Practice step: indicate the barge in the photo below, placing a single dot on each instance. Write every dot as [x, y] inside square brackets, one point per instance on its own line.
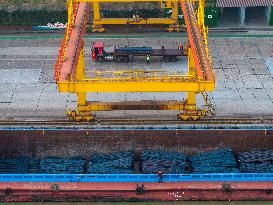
[40, 143]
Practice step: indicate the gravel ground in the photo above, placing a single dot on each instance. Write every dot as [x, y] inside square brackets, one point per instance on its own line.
[243, 67]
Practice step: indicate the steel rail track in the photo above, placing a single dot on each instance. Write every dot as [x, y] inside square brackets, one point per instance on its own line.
[142, 30]
[138, 122]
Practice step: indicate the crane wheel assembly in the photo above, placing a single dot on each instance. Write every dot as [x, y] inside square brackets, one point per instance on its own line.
[70, 73]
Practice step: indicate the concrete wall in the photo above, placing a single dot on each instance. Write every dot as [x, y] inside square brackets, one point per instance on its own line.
[231, 17]
[257, 16]
[241, 16]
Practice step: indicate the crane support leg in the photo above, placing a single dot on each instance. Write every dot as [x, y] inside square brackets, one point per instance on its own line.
[174, 27]
[80, 115]
[97, 27]
[190, 111]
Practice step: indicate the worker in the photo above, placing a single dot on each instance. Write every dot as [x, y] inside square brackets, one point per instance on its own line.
[160, 175]
[180, 46]
[148, 58]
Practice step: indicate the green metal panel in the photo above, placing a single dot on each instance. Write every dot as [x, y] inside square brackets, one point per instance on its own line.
[212, 16]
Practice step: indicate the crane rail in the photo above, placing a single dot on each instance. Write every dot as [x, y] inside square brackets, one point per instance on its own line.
[135, 122]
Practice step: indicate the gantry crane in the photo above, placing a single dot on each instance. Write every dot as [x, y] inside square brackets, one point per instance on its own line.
[70, 73]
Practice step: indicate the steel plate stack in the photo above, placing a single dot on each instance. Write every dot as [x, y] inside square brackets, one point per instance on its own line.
[14, 166]
[134, 50]
[8, 166]
[256, 161]
[34, 166]
[22, 165]
[55, 165]
[219, 161]
[114, 163]
[155, 161]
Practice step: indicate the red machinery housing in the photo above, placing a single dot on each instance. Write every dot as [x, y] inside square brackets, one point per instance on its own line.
[97, 51]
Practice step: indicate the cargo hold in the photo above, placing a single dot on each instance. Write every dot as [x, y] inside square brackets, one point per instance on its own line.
[36, 143]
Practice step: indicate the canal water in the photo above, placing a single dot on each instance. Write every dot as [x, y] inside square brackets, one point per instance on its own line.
[150, 203]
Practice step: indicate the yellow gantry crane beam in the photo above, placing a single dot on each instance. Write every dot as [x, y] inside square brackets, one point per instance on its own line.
[98, 21]
[149, 85]
[71, 75]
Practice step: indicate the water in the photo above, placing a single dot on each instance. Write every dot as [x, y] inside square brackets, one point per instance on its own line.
[151, 203]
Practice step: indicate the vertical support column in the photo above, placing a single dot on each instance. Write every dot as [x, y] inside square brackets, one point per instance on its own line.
[201, 14]
[97, 27]
[191, 99]
[267, 15]
[190, 111]
[175, 26]
[80, 72]
[242, 15]
[175, 11]
[70, 12]
[96, 9]
[271, 16]
[82, 113]
[80, 75]
[191, 63]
